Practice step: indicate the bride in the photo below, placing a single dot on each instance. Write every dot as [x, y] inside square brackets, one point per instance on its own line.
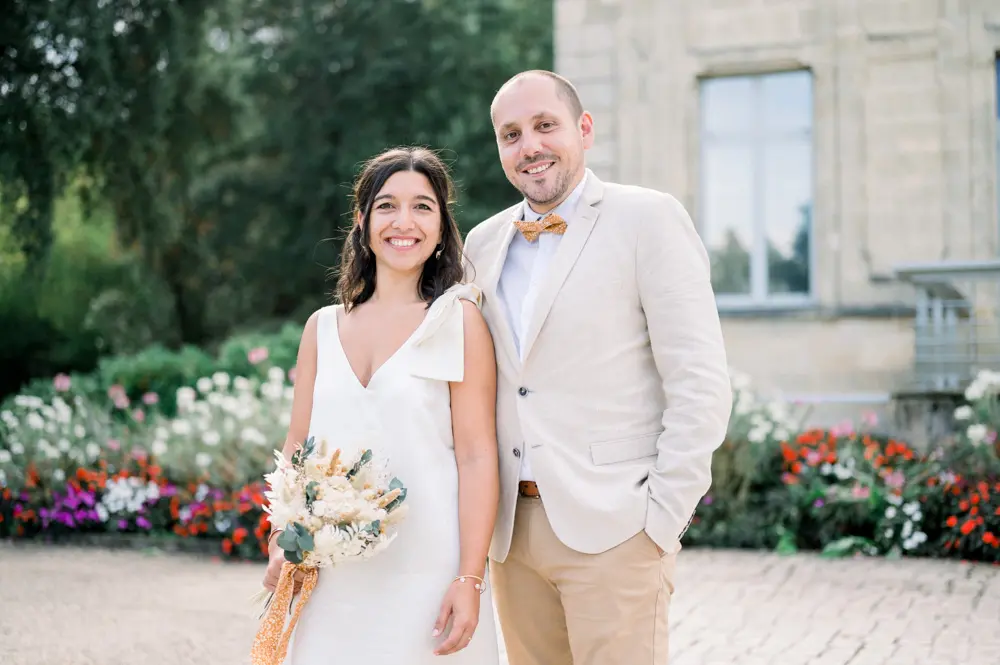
[406, 358]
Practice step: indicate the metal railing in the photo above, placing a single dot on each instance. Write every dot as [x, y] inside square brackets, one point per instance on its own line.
[957, 322]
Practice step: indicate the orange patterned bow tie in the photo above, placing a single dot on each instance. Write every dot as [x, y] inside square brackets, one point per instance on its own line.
[548, 224]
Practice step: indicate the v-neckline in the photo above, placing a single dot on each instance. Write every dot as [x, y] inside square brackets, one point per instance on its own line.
[347, 360]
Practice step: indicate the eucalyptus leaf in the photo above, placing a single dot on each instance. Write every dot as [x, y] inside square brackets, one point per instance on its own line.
[287, 539]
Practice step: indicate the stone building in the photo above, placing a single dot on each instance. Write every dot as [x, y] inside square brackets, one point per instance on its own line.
[818, 144]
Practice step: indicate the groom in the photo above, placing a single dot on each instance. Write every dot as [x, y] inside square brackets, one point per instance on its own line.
[613, 389]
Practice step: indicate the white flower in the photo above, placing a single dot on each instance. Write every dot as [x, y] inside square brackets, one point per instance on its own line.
[211, 438]
[204, 385]
[253, 435]
[79, 431]
[3, 478]
[16, 447]
[221, 379]
[911, 508]
[159, 447]
[976, 434]
[5, 457]
[186, 395]
[181, 427]
[93, 451]
[276, 375]
[58, 475]
[35, 421]
[272, 391]
[890, 513]
[63, 445]
[842, 472]
[907, 529]
[826, 469]
[963, 413]
[895, 499]
[203, 460]
[102, 512]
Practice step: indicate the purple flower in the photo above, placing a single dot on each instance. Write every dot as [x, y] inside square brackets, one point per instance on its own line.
[122, 525]
[143, 523]
[819, 503]
[707, 500]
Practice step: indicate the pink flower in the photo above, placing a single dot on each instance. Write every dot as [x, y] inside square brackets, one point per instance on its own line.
[139, 415]
[139, 454]
[895, 479]
[61, 382]
[843, 429]
[291, 375]
[870, 419]
[860, 492]
[814, 457]
[116, 390]
[121, 401]
[149, 399]
[257, 355]
[113, 444]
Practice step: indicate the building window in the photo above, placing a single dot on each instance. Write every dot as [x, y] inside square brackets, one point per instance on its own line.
[757, 186]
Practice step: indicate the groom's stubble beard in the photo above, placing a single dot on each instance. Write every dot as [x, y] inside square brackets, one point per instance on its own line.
[551, 194]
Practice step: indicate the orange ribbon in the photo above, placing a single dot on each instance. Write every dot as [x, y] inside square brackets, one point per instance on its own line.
[271, 643]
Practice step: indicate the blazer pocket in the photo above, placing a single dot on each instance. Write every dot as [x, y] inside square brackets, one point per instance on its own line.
[624, 450]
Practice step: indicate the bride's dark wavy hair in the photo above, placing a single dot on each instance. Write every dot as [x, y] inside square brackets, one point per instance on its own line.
[443, 269]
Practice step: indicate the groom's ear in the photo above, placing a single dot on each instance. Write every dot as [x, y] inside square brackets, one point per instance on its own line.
[587, 130]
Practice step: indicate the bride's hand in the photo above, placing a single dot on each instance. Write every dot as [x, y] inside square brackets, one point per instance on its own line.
[274, 563]
[461, 605]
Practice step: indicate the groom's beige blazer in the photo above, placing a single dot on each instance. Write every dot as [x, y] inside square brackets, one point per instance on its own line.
[624, 393]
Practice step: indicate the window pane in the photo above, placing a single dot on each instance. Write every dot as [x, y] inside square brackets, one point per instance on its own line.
[727, 210]
[788, 214]
[787, 102]
[727, 106]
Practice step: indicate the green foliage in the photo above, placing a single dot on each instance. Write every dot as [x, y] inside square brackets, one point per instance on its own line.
[210, 147]
[156, 370]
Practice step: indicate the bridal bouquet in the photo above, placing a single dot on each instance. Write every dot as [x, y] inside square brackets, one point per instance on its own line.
[330, 510]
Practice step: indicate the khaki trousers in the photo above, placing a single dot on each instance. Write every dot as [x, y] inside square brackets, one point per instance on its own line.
[561, 607]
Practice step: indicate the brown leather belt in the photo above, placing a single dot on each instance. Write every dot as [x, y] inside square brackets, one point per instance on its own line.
[528, 488]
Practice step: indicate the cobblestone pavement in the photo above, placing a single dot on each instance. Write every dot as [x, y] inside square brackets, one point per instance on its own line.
[67, 606]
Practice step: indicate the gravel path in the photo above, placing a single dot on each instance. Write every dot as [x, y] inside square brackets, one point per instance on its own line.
[69, 606]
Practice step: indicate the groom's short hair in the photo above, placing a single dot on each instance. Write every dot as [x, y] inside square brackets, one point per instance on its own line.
[564, 88]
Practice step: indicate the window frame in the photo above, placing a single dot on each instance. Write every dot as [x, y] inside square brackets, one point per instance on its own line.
[759, 298]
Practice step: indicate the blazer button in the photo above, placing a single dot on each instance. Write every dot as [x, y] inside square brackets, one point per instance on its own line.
[522, 391]
[517, 453]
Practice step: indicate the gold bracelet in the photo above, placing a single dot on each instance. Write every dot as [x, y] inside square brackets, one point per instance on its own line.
[480, 584]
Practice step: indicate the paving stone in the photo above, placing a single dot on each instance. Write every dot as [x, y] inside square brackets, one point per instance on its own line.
[63, 606]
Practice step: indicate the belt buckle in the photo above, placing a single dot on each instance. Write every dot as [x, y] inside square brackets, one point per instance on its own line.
[528, 489]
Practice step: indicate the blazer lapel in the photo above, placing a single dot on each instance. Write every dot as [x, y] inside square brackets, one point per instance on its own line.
[573, 241]
[490, 285]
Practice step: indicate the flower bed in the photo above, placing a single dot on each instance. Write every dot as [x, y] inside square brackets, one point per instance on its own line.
[193, 473]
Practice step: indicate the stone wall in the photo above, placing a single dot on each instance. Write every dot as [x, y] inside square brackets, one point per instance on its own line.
[904, 144]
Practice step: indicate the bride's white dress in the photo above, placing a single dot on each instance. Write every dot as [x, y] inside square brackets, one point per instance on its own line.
[382, 610]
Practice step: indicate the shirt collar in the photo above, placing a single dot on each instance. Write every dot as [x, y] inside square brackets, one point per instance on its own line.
[564, 209]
